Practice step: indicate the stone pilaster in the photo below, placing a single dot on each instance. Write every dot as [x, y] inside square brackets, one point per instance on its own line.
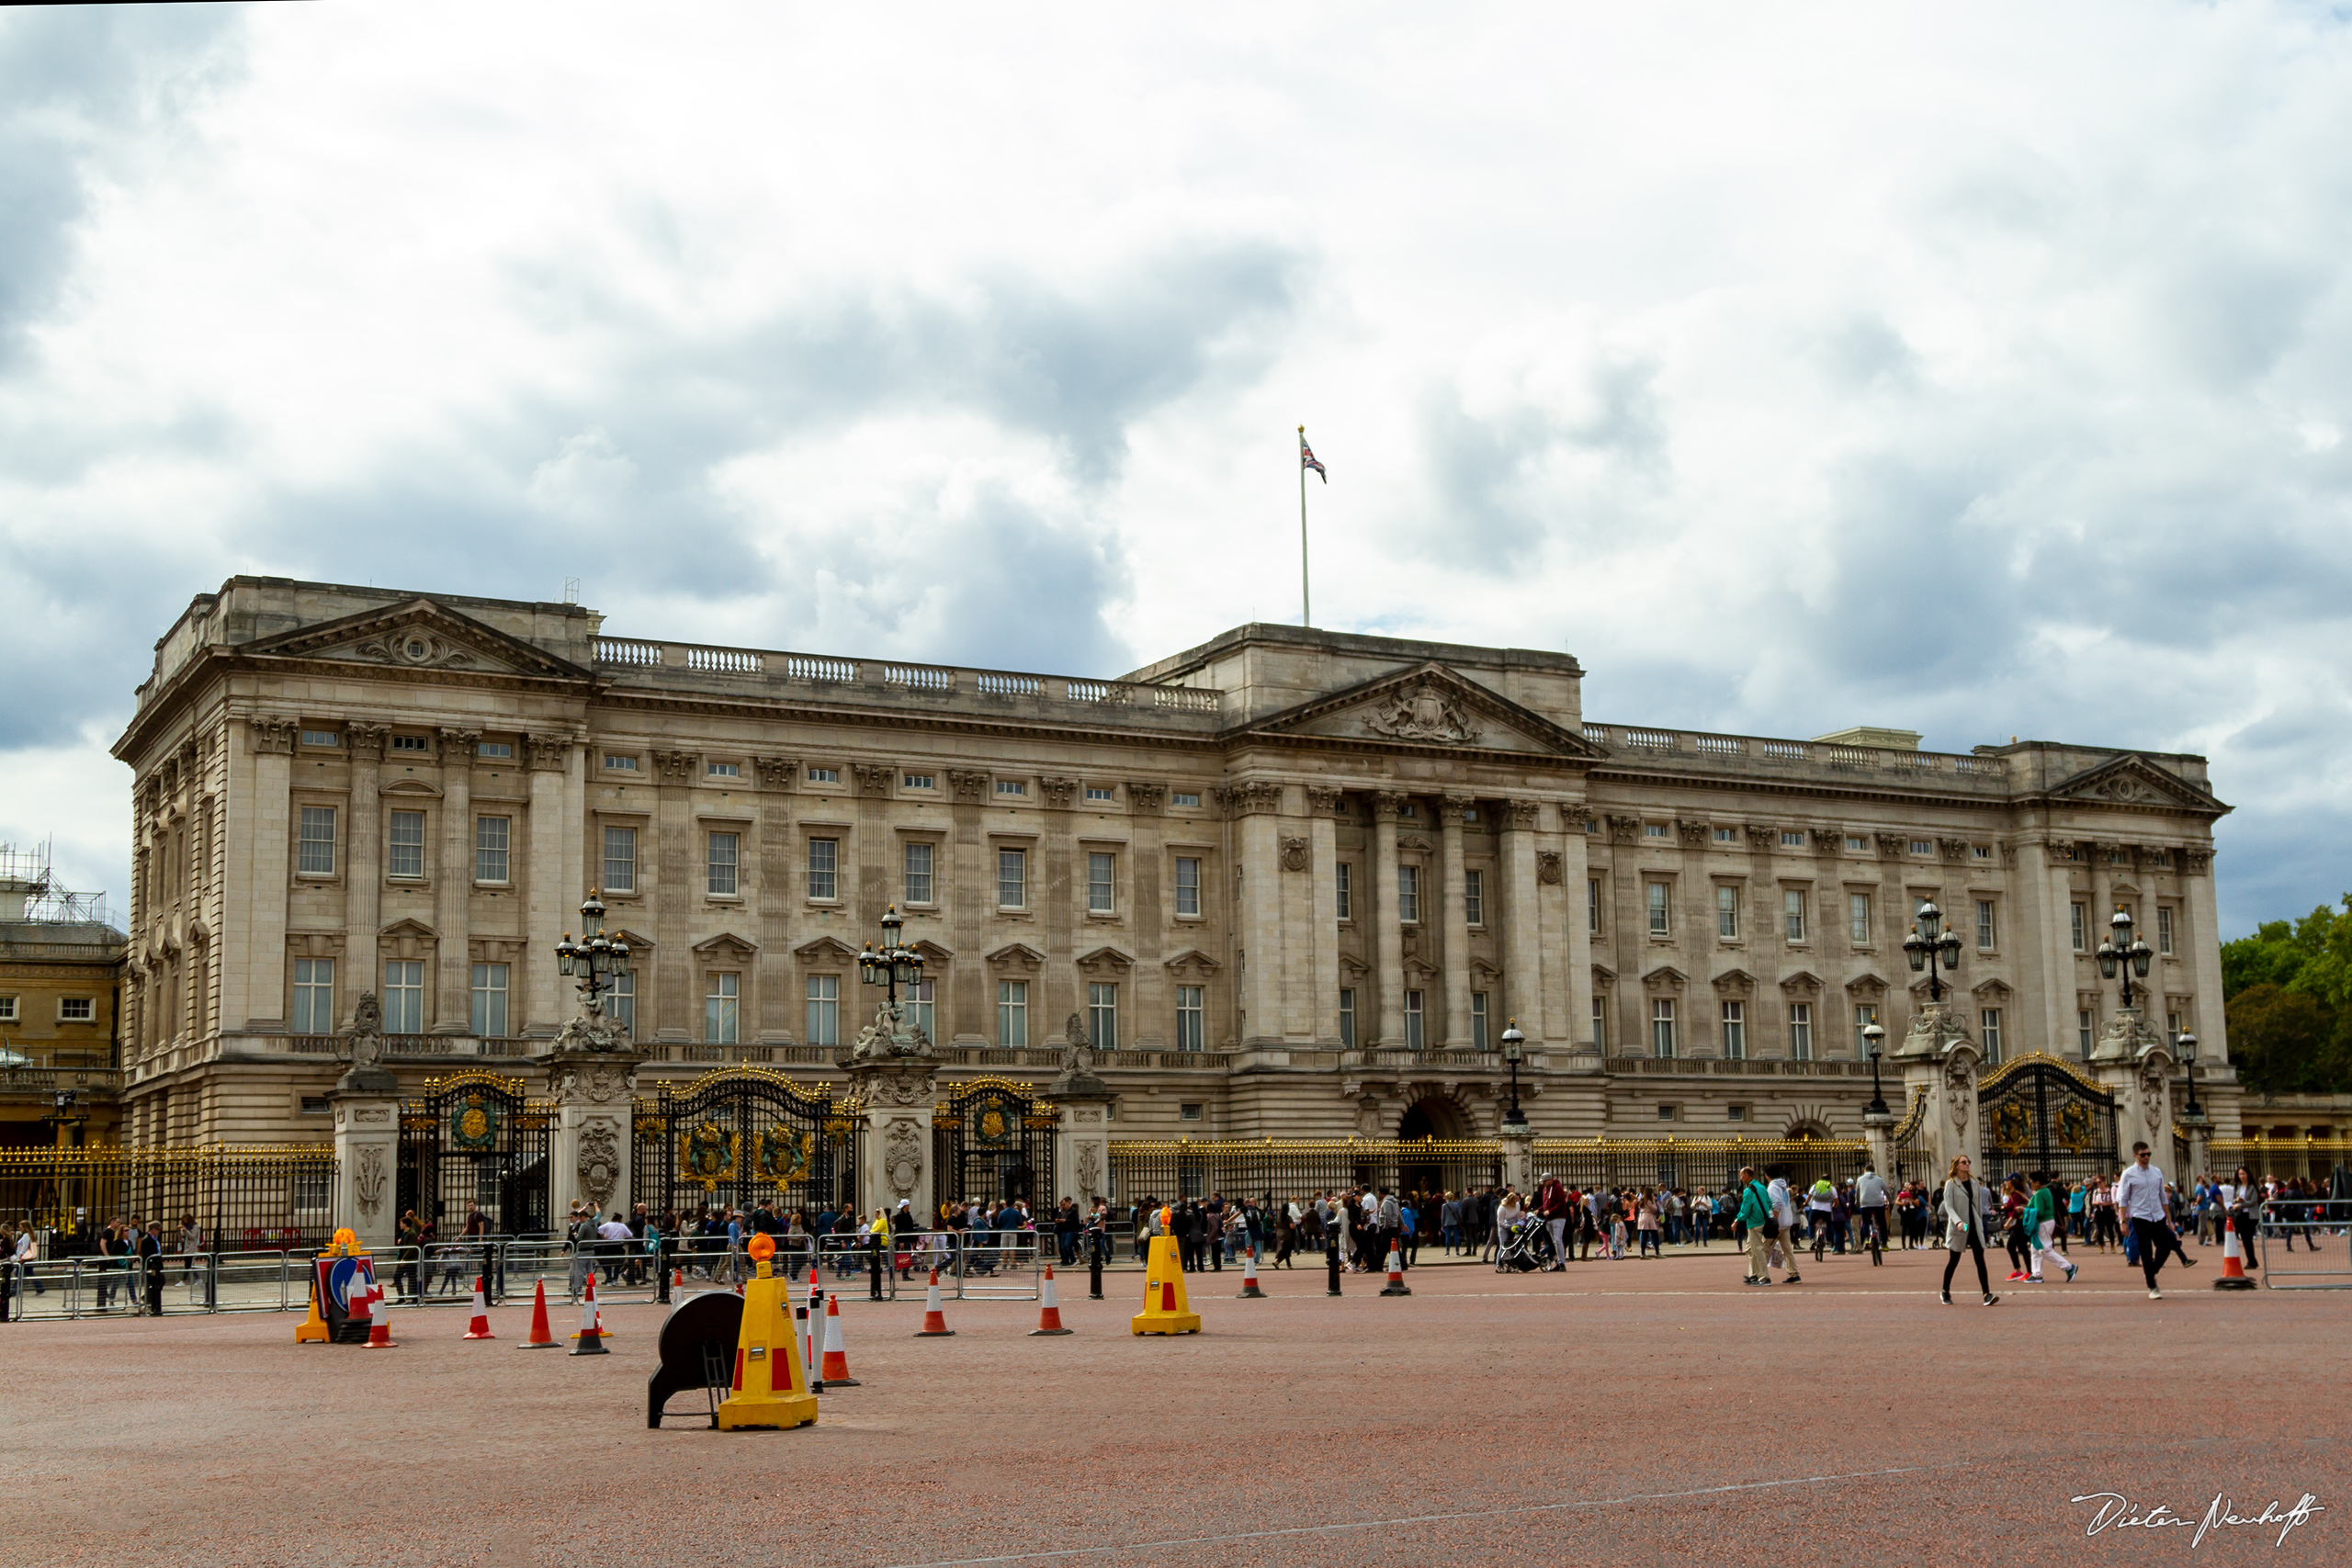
[1083, 1135]
[775, 887]
[676, 1013]
[363, 880]
[1059, 898]
[971, 872]
[588, 1157]
[1457, 915]
[549, 899]
[1151, 909]
[1323, 846]
[1388, 946]
[2135, 1063]
[270, 823]
[453, 887]
[1522, 941]
[897, 1095]
[1256, 807]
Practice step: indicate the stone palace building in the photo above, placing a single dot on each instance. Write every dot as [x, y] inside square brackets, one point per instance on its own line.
[1288, 884]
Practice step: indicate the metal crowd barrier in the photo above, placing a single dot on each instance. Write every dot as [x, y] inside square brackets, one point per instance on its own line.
[2324, 1226]
[997, 1266]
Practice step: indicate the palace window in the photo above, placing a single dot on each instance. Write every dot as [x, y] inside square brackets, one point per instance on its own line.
[918, 780]
[1857, 919]
[1348, 1017]
[1988, 1032]
[1101, 877]
[722, 771]
[1188, 886]
[1727, 912]
[1414, 1035]
[1592, 904]
[1792, 913]
[314, 996]
[318, 841]
[1184, 797]
[722, 866]
[1922, 847]
[1473, 897]
[1661, 911]
[617, 764]
[491, 835]
[2085, 1026]
[620, 1002]
[1013, 879]
[824, 1009]
[824, 775]
[1011, 787]
[1662, 1026]
[1734, 1022]
[1987, 929]
[406, 856]
[922, 1007]
[9, 1009]
[1801, 1032]
[1012, 1013]
[2081, 919]
[1857, 845]
[495, 749]
[490, 1002]
[1343, 893]
[404, 996]
[824, 868]
[1865, 1014]
[722, 1011]
[1103, 1015]
[1981, 851]
[412, 743]
[1726, 835]
[1478, 1020]
[620, 860]
[2164, 927]
[321, 737]
[1100, 792]
[1408, 895]
[1653, 830]
[918, 856]
[1601, 1024]
[1190, 1019]
[1792, 841]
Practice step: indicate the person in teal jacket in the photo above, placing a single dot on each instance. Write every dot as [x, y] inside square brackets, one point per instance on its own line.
[2041, 1229]
[1755, 1213]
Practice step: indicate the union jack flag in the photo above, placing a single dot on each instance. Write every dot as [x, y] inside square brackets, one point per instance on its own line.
[1306, 459]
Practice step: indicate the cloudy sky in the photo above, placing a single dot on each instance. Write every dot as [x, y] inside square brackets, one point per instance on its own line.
[1985, 371]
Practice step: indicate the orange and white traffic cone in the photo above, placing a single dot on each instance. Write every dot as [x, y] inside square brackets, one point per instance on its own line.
[934, 1322]
[480, 1328]
[1249, 1290]
[834, 1370]
[1395, 1286]
[542, 1337]
[1050, 1307]
[590, 1340]
[591, 1305]
[2233, 1274]
[379, 1322]
[678, 1278]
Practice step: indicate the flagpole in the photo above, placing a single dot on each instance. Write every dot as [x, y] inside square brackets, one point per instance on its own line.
[1306, 603]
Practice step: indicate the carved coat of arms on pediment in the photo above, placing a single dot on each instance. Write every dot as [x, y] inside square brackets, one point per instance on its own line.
[1426, 712]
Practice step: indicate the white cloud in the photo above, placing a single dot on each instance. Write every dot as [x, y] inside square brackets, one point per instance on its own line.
[1985, 373]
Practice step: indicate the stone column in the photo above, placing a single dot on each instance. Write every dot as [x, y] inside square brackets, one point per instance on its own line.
[1522, 963]
[588, 1158]
[1457, 926]
[676, 1012]
[551, 900]
[1258, 806]
[363, 880]
[776, 886]
[1061, 897]
[1389, 947]
[270, 825]
[1571, 871]
[453, 887]
[897, 1093]
[1146, 870]
[2202, 930]
[970, 877]
[1323, 845]
[366, 1106]
[1519, 1156]
[2135, 1064]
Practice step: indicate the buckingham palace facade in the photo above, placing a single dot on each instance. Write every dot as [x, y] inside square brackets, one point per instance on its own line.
[1291, 883]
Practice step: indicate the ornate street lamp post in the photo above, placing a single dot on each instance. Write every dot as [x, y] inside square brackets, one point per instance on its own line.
[1874, 1046]
[1926, 948]
[2121, 951]
[893, 966]
[596, 963]
[1514, 1049]
[2186, 1045]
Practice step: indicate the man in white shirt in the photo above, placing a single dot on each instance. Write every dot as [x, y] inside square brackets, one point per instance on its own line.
[1785, 1216]
[2140, 1198]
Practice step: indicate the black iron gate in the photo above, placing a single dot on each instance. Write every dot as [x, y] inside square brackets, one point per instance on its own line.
[993, 1139]
[2035, 1115]
[473, 1139]
[741, 1137]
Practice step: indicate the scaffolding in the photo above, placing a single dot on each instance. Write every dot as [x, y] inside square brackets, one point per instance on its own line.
[29, 891]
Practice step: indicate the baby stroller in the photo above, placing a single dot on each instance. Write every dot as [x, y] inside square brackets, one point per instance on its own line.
[1523, 1246]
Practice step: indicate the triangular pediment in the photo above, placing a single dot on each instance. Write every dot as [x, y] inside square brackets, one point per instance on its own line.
[410, 928]
[417, 633]
[934, 953]
[1866, 985]
[1193, 961]
[1425, 706]
[1018, 955]
[825, 947]
[636, 943]
[726, 944]
[1802, 982]
[1734, 982]
[1666, 977]
[2132, 780]
[1105, 958]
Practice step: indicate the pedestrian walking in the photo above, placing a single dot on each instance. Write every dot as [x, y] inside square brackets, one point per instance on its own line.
[2041, 1224]
[1759, 1225]
[1963, 1226]
[2140, 1197]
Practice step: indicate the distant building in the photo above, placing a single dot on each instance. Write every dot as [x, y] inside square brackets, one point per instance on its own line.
[61, 992]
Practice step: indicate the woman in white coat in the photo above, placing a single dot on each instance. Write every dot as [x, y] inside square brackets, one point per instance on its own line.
[1963, 1228]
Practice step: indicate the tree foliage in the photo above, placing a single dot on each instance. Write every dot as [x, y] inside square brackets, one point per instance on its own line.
[2288, 992]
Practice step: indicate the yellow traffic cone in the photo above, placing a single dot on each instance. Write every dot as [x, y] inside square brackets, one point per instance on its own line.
[1165, 1308]
[311, 1330]
[771, 1388]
